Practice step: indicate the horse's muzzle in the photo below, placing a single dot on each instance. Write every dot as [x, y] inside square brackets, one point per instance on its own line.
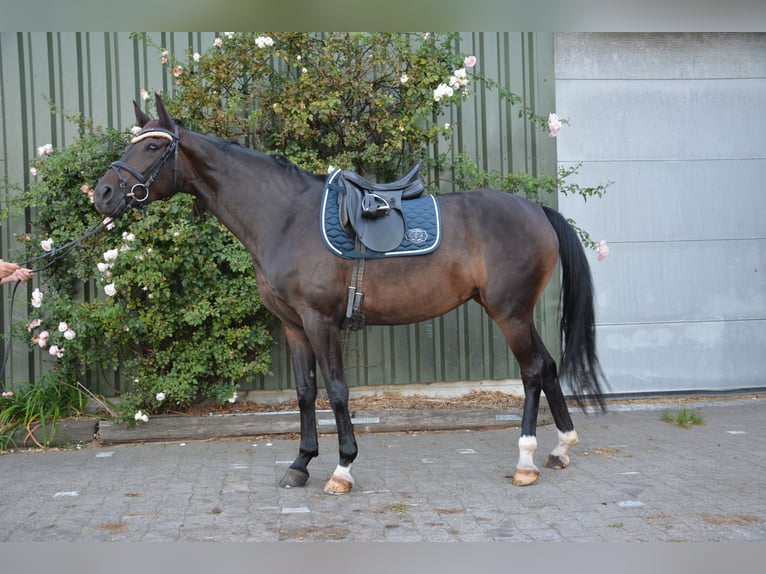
[109, 199]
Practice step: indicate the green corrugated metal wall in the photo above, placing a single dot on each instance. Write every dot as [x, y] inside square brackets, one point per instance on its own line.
[99, 74]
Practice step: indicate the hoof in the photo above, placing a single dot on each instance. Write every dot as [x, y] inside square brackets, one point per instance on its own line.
[556, 462]
[340, 482]
[525, 476]
[294, 478]
[337, 485]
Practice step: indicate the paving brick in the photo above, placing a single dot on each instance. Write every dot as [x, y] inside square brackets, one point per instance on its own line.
[631, 478]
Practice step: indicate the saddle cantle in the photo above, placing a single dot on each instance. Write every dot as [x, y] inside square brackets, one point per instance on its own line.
[373, 212]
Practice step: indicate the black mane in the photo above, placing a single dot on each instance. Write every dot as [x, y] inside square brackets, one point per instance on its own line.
[229, 146]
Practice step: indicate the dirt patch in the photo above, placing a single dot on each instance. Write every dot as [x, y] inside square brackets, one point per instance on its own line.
[603, 451]
[313, 533]
[731, 519]
[450, 510]
[491, 400]
[684, 400]
[113, 527]
[495, 400]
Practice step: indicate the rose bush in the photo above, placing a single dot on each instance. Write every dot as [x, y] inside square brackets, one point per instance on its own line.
[165, 301]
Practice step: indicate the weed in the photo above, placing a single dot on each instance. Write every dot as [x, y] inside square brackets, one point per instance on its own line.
[398, 507]
[682, 417]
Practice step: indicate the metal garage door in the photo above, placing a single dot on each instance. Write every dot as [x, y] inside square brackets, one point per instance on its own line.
[677, 122]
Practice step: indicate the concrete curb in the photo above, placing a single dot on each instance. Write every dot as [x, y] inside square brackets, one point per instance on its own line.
[214, 426]
[66, 432]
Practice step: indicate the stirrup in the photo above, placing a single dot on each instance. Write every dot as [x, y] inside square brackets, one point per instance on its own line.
[374, 205]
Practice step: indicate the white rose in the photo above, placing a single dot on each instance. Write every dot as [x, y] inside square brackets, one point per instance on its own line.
[111, 254]
[37, 298]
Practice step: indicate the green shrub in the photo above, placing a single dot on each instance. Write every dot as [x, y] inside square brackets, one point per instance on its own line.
[167, 297]
[363, 101]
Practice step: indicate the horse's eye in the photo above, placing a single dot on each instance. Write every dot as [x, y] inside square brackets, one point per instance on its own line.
[152, 146]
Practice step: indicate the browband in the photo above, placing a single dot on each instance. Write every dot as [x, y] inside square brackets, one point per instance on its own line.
[152, 134]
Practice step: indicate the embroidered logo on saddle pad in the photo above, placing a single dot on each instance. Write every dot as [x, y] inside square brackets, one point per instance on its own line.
[421, 235]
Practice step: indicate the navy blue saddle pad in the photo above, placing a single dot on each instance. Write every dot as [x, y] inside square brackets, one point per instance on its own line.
[422, 217]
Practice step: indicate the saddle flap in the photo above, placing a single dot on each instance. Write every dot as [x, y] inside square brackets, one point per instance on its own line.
[383, 233]
[378, 223]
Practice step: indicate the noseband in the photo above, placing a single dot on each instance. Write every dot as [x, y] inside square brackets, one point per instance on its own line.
[133, 198]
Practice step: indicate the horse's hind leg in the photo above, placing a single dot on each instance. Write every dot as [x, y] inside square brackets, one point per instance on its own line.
[304, 366]
[538, 373]
[567, 435]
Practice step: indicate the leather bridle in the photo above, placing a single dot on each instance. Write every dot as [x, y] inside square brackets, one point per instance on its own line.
[145, 180]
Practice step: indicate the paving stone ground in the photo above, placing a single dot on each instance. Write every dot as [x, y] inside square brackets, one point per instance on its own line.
[633, 477]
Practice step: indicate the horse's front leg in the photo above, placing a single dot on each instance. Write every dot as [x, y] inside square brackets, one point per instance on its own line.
[304, 365]
[325, 339]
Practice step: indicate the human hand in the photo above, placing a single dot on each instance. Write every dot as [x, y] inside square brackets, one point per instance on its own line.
[21, 275]
[6, 268]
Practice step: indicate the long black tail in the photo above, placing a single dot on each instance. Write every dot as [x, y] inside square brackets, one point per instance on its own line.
[579, 367]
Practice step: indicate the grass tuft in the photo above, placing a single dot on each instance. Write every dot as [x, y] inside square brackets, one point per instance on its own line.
[682, 417]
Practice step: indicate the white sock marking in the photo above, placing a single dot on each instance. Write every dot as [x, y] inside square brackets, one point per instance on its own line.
[566, 439]
[344, 472]
[527, 448]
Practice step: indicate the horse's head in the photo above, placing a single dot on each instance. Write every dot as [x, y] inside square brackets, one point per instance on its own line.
[148, 170]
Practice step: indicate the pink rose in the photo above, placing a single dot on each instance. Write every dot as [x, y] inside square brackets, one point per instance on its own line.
[602, 249]
[554, 125]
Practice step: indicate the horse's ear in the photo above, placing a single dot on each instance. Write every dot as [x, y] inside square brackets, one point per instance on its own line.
[141, 118]
[165, 120]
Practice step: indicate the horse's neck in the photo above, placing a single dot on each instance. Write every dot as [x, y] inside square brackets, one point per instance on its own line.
[248, 192]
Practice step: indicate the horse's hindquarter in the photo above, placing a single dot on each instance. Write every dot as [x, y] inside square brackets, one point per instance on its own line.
[493, 244]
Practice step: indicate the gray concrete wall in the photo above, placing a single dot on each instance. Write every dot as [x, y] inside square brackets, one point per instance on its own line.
[677, 122]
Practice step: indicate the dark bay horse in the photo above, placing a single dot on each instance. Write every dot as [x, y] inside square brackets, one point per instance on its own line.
[497, 249]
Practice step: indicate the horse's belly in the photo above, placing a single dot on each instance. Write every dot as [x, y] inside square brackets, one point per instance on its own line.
[408, 292]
